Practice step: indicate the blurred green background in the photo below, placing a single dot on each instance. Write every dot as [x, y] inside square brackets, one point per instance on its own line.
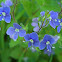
[18, 51]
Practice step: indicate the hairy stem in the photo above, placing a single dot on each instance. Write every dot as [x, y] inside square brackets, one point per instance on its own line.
[13, 15]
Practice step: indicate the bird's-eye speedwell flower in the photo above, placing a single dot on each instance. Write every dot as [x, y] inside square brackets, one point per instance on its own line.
[48, 52]
[42, 13]
[47, 43]
[32, 38]
[5, 14]
[53, 19]
[60, 26]
[7, 3]
[35, 24]
[16, 30]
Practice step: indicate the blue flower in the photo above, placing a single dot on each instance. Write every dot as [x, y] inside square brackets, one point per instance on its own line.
[53, 19]
[32, 38]
[56, 38]
[38, 22]
[52, 52]
[33, 49]
[7, 3]
[5, 14]
[48, 52]
[35, 24]
[54, 15]
[15, 30]
[60, 26]
[42, 13]
[47, 43]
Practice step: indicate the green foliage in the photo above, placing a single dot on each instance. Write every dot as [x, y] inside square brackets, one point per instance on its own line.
[24, 12]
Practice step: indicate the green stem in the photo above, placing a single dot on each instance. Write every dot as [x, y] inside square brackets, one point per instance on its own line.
[51, 58]
[2, 39]
[20, 59]
[2, 35]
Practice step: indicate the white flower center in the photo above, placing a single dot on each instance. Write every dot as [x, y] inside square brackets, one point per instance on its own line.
[3, 19]
[55, 20]
[4, 14]
[31, 41]
[17, 30]
[47, 42]
[59, 21]
[48, 50]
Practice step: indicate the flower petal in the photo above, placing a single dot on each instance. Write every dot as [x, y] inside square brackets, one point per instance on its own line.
[36, 29]
[49, 48]
[34, 36]
[14, 36]
[56, 38]
[34, 24]
[53, 14]
[10, 31]
[33, 49]
[22, 33]
[1, 9]
[15, 25]
[57, 22]
[47, 52]
[58, 29]
[42, 13]
[8, 3]
[27, 37]
[36, 43]
[52, 24]
[1, 17]
[35, 19]
[6, 10]
[49, 38]
[3, 4]
[42, 45]
[7, 18]
[61, 19]
[29, 44]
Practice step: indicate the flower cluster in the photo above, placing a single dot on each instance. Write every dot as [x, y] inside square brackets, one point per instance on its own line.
[32, 38]
[7, 3]
[55, 21]
[38, 23]
[46, 43]
[5, 11]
